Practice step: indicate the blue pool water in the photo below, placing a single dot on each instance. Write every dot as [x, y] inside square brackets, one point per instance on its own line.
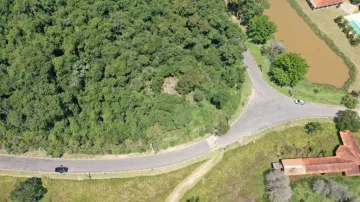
[356, 26]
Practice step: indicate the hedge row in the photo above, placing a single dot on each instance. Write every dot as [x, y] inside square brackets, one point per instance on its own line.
[329, 42]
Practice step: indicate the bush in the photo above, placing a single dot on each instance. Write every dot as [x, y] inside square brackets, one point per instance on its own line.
[355, 41]
[313, 127]
[347, 120]
[349, 101]
[193, 199]
[278, 186]
[332, 190]
[339, 19]
[30, 190]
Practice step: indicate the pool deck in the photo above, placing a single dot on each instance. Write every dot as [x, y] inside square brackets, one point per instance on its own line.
[354, 21]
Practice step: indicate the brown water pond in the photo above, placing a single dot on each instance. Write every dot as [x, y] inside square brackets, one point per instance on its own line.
[325, 66]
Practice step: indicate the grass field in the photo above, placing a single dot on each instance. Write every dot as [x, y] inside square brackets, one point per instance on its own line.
[324, 19]
[304, 90]
[155, 188]
[240, 174]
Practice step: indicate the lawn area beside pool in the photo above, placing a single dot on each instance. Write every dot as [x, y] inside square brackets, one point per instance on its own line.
[324, 20]
[240, 174]
[136, 189]
[305, 90]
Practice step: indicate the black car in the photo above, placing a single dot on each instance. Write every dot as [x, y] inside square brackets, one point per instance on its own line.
[61, 169]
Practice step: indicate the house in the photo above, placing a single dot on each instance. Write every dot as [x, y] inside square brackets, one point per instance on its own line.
[318, 4]
[346, 160]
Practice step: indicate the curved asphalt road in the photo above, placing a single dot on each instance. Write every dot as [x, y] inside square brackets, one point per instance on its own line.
[266, 108]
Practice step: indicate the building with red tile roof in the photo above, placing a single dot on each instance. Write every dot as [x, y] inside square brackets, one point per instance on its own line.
[346, 160]
[318, 4]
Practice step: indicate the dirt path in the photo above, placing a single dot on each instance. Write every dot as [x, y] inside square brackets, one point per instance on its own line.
[194, 178]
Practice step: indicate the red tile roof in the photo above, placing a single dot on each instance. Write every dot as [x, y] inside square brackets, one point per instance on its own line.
[324, 3]
[347, 160]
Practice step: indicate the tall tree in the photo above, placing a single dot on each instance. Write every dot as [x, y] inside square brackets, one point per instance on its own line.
[347, 120]
[247, 9]
[260, 29]
[288, 69]
[30, 190]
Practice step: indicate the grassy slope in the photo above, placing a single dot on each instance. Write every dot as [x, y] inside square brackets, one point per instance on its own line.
[327, 94]
[155, 188]
[324, 19]
[241, 172]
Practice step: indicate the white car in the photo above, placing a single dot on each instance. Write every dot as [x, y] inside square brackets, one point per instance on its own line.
[299, 102]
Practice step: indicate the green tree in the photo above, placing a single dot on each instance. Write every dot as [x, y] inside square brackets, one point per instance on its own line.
[349, 101]
[247, 9]
[260, 29]
[313, 127]
[288, 69]
[30, 190]
[347, 120]
[222, 128]
[87, 76]
[220, 99]
[190, 78]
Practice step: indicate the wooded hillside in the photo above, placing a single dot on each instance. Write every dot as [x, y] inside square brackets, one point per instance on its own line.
[88, 76]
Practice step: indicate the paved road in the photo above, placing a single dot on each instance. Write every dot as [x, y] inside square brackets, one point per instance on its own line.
[266, 108]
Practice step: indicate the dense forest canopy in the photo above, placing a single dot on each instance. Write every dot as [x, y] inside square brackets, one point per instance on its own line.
[88, 75]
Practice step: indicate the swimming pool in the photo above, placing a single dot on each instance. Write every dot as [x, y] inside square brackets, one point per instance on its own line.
[354, 21]
[356, 26]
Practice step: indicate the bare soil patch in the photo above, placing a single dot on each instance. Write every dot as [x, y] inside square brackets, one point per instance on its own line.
[169, 86]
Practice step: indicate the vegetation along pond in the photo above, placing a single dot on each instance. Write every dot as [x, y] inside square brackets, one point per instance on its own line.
[325, 66]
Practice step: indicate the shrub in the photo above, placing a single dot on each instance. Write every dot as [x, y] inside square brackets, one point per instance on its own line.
[30, 190]
[313, 127]
[339, 19]
[355, 41]
[347, 120]
[193, 199]
[278, 186]
[349, 101]
[332, 190]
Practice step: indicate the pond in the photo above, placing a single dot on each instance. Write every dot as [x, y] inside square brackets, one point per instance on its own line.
[325, 66]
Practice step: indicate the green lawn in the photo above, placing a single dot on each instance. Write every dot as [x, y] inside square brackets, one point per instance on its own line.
[304, 90]
[154, 188]
[240, 174]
